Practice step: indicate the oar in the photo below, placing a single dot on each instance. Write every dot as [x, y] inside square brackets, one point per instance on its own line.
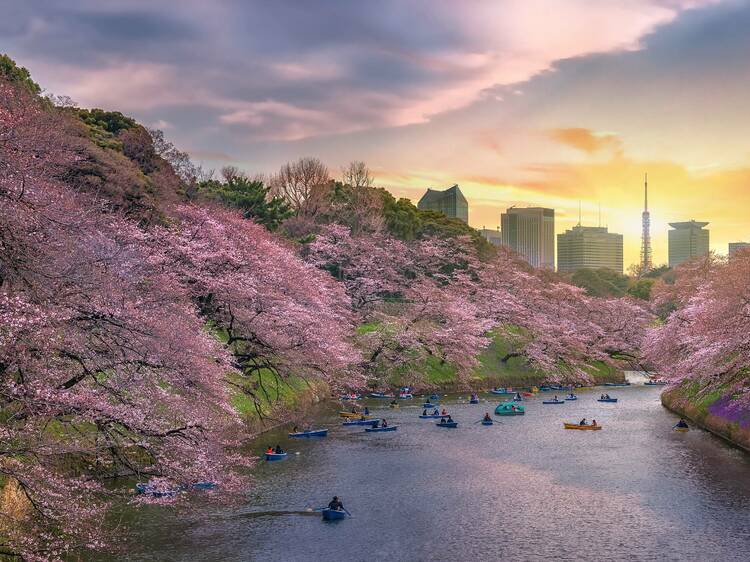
[347, 511]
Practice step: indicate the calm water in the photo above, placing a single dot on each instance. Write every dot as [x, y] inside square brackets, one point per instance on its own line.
[523, 489]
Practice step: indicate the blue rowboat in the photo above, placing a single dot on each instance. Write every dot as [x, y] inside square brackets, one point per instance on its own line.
[206, 485]
[553, 401]
[333, 514]
[359, 422]
[428, 405]
[275, 456]
[611, 400]
[430, 416]
[311, 433]
[545, 388]
[616, 384]
[654, 383]
[447, 424]
[487, 422]
[380, 429]
[434, 397]
[474, 401]
[380, 395]
[405, 396]
[502, 391]
[571, 397]
[149, 490]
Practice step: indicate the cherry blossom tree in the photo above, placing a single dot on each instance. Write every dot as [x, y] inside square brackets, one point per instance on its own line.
[705, 336]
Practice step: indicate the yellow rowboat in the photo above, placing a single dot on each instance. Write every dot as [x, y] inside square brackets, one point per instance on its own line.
[682, 429]
[534, 389]
[582, 427]
[353, 415]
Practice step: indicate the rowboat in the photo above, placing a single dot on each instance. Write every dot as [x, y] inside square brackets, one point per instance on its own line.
[502, 391]
[430, 416]
[352, 415]
[380, 395]
[434, 397]
[155, 492]
[553, 401]
[487, 422]
[611, 400]
[682, 429]
[275, 456]
[616, 384]
[654, 383]
[350, 397]
[333, 514]
[405, 396]
[311, 433]
[571, 397]
[509, 409]
[429, 405]
[447, 424]
[582, 427]
[379, 429]
[359, 422]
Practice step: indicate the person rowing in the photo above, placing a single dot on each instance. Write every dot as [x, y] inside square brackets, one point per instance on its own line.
[583, 422]
[593, 423]
[278, 450]
[424, 412]
[270, 450]
[383, 423]
[444, 412]
[367, 411]
[556, 400]
[450, 419]
[682, 424]
[487, 417]
[335, 504]
[436, 413]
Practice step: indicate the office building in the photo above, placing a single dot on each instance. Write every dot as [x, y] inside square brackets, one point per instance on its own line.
[530, 231]
[735, 247]
[687, 240]
[451, 202]
[590, 247]
[493, 236]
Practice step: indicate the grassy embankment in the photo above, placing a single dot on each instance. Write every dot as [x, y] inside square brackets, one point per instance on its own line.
[714, 411]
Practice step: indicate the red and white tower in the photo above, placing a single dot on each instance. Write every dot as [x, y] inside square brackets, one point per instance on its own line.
[646, 263]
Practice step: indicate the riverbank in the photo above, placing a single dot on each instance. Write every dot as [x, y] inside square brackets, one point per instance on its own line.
[716, 412]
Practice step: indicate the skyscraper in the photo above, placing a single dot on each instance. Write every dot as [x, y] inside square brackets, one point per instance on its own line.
[646, 260]
[530, 232]
[589, 247]
[450, 201]
[687, 240]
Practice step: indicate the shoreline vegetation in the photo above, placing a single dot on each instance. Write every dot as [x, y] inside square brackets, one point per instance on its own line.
[712, 412]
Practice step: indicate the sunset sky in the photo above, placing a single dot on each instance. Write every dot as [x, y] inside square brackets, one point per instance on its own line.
[520, 102]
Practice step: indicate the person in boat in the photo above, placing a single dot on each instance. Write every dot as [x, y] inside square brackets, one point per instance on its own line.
[444, 412]
[278, 450]
[601, 397]
[436, 413]
[270, 450]
[367, 411]
[394, 402]
[513, 407]
[362, 417]
[583, 422]
[682, 424]
[295, 429]
[487, 417]
[383, 423]
[335, 504]
[442, 420]
[593, 423]
[556, 400]
[376, 423]
[450, 419]
[424, 412]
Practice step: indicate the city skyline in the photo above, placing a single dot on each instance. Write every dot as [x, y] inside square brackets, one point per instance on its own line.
[515, 108]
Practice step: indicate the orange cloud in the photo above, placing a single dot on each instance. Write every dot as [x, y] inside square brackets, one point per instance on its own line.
[587, 140]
